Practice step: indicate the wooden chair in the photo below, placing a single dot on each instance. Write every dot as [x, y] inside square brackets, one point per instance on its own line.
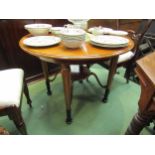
[12, 85]
[146, 113]
[128, 59]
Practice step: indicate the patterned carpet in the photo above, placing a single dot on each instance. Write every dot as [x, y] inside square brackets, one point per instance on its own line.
[90, 115]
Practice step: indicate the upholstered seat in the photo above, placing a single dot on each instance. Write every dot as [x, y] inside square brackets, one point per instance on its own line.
[122, 58]
[12, 85]
[125, 57]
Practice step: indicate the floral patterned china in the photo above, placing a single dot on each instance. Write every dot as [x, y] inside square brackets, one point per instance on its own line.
[56, 30]
[72, 38]
[38, 29]
[41, 41]
[72, 32]
[109, 41]
[100, 30]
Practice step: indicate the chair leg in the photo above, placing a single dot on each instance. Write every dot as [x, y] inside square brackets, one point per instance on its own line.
[15, 115]
[26, 92]
[127, 76]
[138, 122]
[128, 73]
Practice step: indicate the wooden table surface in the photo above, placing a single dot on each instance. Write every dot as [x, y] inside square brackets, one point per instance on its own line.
[87, 52]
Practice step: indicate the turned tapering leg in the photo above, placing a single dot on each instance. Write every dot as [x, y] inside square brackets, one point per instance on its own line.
[46, 75]
[67, 83]
[14, 114]
[113, 66]
[26, 92]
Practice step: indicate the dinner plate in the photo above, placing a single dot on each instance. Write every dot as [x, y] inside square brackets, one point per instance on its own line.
[119, 33]
[108, 46]
[109, 41]
[41, 41]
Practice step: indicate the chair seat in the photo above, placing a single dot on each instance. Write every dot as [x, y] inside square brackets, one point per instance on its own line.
[75, 68]
[122, 58]
[11, 83]
[126, 56]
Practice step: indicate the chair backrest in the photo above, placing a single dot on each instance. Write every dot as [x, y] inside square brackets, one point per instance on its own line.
[150, 34]
[144, 26]
[151, 29]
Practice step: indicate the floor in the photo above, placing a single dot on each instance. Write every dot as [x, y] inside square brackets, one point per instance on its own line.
[90, 115]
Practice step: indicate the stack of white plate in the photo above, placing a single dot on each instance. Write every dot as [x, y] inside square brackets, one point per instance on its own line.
[72, 38]
[103, 30]
[109, 41]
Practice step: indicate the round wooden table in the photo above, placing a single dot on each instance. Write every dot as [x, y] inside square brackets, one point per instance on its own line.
[87, 54]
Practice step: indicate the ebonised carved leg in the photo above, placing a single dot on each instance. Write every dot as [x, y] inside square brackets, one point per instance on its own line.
[46, 75]
[129, 69]
[138, 122]
[106, 94]
[113, 66]
[14, 114]
[26, 92]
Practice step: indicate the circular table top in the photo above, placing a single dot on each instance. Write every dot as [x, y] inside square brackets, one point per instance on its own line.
[87, 53]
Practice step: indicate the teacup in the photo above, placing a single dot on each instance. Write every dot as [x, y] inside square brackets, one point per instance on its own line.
[97, 31]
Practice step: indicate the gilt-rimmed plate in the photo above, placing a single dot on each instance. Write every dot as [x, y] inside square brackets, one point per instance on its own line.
[109, 41]
[41, 41]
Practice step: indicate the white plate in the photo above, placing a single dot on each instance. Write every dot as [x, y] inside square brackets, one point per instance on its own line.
[119, 33]
[109, 41]
[108, 46]
[100, 30]
[41, 41]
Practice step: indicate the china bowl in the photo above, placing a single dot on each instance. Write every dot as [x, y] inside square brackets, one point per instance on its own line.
[72, 43]
[72, 38]
[56, 30]
[80, 23]
[38, 29]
